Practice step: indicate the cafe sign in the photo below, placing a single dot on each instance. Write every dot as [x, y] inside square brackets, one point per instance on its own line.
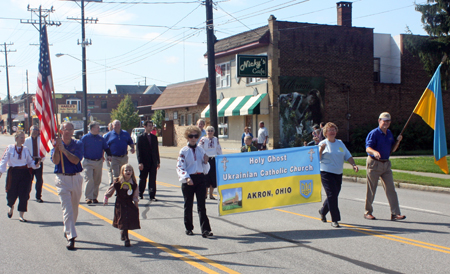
[251, 66]
[66, 108]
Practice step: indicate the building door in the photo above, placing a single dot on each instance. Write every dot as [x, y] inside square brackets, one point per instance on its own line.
[167, 133]
[249, 124]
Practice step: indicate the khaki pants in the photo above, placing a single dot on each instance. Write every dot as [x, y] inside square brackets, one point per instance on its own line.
[375, 170]
[92, 177]
[116, 164]
[69, 190]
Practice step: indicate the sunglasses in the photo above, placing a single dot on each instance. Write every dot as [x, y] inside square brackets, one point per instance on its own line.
[210, 130]
[190, 136]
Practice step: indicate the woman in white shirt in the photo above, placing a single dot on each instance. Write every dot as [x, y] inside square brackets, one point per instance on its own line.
[18, 179]
[333, 153]
[192, 165]
[211, 145]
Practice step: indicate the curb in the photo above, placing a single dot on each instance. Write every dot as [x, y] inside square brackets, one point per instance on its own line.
[445, 190]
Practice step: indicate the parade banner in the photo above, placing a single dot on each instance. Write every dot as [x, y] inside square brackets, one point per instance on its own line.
[266, 179]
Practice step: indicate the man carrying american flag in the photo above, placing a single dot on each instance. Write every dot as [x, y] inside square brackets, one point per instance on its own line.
[67, 153]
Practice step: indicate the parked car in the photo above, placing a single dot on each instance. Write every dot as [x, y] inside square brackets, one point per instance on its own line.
[77, 134]
[103, 130]
[136, 132]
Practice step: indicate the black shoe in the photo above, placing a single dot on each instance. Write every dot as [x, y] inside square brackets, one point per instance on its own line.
[88, 201]
[95, 201]
[39, 200]
[141, 197]
[71, 244]
[122, 235]
[335, 224]
[127, 243]
[189, 232]
[22, 220]
[212, 198]
[9, 215]
[207, 234]
[323, 218]
[154, 200]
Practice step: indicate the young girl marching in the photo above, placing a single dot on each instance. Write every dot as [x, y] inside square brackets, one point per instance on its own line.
[126, 210]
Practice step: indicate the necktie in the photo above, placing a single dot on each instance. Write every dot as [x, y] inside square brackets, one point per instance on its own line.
[249, 150]
[35, 147]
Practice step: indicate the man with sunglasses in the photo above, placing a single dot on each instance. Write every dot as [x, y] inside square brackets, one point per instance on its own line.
[380, 143]
[33, 143]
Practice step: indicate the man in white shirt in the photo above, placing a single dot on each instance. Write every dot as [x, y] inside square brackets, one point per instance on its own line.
[33, 143]
[263, 136]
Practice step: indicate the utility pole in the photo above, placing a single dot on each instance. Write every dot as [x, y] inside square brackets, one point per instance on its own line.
[42, 14]
[7, 84]
[83, 44]
[211, 40]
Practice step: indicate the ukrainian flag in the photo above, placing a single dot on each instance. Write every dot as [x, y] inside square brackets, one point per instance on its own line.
[431, 110]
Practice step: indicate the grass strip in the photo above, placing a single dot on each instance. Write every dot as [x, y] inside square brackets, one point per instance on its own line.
[419, 164]
[402, 177]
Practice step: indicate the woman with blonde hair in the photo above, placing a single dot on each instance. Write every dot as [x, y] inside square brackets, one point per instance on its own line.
[332, 153]
[18, 179]
[192, 165]
[126, 208]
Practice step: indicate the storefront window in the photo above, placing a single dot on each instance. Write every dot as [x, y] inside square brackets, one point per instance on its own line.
[223, 78]
[223, 127]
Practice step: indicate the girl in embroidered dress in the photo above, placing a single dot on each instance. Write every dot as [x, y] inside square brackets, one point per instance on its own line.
[211, 145]
[18, 178]
[126, 209]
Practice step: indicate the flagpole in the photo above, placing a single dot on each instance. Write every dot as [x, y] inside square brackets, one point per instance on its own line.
[407, 122]
[54, 110]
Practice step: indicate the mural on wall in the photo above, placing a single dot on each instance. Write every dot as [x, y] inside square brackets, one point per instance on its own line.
[301, 106]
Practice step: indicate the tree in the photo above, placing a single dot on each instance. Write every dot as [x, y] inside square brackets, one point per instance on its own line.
[431, 49]
[126, 114]
[158, 118]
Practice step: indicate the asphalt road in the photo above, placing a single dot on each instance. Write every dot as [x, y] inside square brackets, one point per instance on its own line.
[283, 240]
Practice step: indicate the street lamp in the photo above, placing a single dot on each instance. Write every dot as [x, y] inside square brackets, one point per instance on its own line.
[83, 71]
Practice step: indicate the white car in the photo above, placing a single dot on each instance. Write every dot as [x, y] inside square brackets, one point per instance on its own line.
[136, 132]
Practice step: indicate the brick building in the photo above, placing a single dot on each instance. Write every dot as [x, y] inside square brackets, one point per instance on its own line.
[339, 73]
[99, 105]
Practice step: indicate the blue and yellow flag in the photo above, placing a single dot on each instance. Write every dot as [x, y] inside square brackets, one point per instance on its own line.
[431, 110]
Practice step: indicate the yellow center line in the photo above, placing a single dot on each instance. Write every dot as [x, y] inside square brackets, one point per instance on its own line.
[185, 259]
[383, 235]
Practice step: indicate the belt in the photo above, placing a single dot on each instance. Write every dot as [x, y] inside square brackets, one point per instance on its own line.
[198, 173]
[379, 160]
[36, 157]
[121, 156]
[68, 174]
[19, 167]
[212, 157]
[93, 159]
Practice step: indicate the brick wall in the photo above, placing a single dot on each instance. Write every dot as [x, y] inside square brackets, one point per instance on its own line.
[344, 57]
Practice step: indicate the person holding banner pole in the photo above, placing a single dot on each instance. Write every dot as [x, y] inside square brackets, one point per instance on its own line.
[192, 165]
[212, 148]
[333, 153]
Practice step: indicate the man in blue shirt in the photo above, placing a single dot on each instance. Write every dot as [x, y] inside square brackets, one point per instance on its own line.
[68, 179]
[380, 143]
[118, 141]
[94, 147]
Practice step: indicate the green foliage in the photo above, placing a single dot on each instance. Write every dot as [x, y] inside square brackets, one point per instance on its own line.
[436, 22]
[126, 114]
[158, 118]
[417, 136]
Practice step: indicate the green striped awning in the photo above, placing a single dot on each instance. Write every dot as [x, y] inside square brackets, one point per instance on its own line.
[242, 105]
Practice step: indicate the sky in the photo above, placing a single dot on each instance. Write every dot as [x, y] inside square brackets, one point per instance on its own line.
[138, 42]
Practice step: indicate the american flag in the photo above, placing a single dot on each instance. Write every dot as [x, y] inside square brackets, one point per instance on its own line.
[44, 100]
